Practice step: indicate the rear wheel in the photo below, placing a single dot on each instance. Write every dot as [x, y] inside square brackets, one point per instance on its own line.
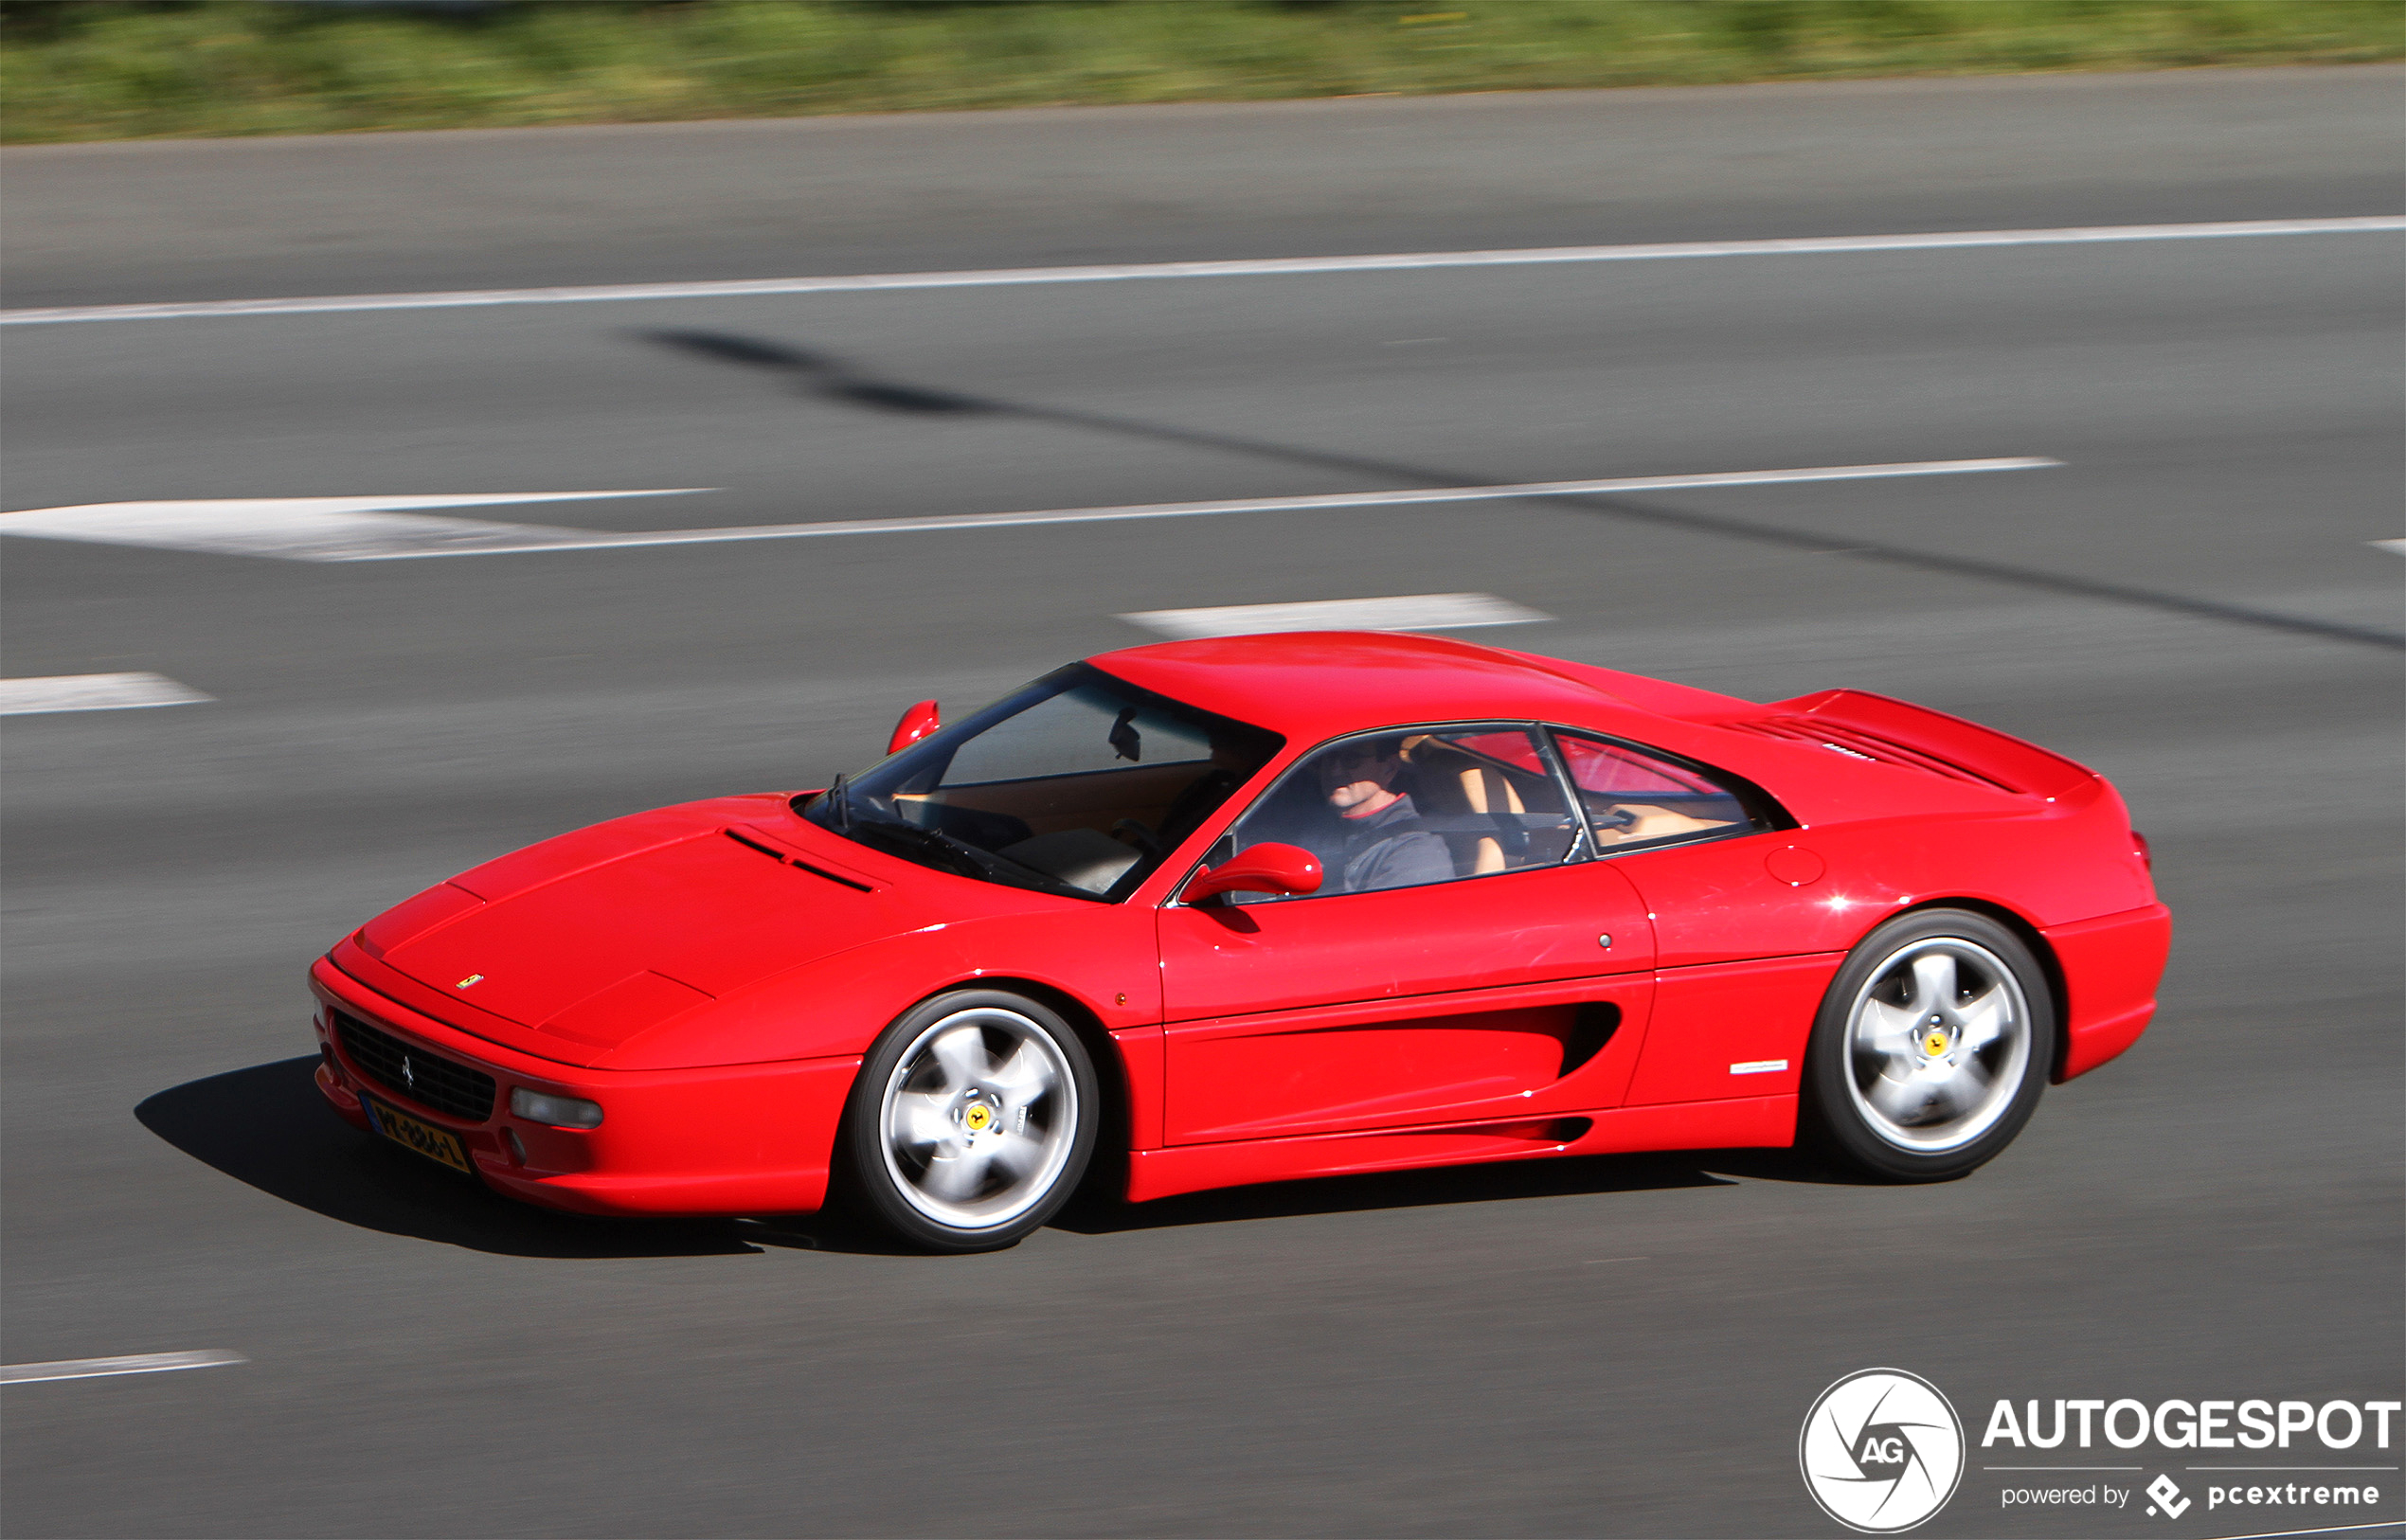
[972, 1120]
[1931, 1048]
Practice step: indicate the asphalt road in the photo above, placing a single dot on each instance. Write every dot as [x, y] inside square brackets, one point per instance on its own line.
[1621, 1346]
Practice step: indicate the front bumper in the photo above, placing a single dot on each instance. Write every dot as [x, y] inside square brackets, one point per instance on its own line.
[732, 1139]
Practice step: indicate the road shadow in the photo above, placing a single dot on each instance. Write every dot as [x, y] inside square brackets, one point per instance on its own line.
[828, 376]
[1092, 1215]
[1801, 1165]
[268, 1127]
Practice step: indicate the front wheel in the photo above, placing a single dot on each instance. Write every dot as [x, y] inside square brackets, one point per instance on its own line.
[1931, 1048]
[972, 1120]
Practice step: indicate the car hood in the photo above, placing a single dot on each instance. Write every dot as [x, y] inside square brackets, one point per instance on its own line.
[603, 934]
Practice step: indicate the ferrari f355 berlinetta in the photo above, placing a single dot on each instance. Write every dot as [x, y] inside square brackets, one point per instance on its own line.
[1265, 908]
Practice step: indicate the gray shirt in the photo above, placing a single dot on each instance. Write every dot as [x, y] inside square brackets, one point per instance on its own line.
[1378, 854]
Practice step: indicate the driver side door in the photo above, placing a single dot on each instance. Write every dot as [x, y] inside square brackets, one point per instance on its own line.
[1516, 986]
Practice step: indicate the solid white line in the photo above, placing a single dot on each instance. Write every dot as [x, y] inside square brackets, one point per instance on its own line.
[93, 693]
[139, 1363]
[1400, 612]
[302, 530]
[583, 540]
[362, 530]
[1267, 267]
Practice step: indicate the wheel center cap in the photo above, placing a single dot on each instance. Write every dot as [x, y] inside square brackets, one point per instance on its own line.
[978, 1117]
[1933, 1042]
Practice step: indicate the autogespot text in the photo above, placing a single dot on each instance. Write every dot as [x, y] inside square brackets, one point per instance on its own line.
[2203, 1424]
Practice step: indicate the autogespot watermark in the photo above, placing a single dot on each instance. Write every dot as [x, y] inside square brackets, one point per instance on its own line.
[2237, 1425]
[1882, 1451]
[2202, 1425]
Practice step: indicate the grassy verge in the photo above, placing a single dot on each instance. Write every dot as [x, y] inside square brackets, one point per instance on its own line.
[71, 70]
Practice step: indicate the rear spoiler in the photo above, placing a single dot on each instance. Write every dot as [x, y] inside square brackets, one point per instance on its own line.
[1898, 732]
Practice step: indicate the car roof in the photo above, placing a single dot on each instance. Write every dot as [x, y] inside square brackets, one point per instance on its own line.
[1313, 685]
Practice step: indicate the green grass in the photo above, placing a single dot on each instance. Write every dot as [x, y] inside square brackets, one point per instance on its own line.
[120, 70]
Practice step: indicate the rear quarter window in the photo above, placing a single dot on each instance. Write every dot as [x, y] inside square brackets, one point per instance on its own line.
[1635, 799]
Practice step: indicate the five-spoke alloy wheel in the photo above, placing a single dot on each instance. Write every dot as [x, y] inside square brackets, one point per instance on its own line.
[972, 1120]
[1932, 1047]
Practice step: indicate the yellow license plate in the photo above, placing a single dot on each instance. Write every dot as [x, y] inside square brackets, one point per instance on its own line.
[434, 1143]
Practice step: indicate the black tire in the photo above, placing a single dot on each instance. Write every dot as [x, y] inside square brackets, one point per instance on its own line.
[1924, 1070]
[948, 1138]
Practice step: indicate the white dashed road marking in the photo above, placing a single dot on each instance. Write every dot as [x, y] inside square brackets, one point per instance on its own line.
[2395, 547]
[139, 1363]
[369, 530]
[1270, 267]
[93, 693]
[1403, 612]
[308, 529]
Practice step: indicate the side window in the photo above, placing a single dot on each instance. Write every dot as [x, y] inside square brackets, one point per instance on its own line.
[1402, 809]
[1634, 799]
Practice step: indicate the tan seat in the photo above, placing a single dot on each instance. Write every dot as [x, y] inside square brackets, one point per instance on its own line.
[1450, 784]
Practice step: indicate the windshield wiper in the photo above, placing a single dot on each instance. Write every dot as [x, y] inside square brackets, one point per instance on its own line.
[835, 803]
[967, 859]
[952, 853]
[959, 854]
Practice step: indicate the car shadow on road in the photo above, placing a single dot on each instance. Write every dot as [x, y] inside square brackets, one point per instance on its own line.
[269, 1127]
[1569, 1176]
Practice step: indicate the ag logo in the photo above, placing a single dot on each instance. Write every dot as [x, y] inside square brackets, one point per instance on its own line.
[1881, 1451]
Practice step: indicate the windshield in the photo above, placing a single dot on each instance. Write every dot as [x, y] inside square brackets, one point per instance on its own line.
[1077, 784]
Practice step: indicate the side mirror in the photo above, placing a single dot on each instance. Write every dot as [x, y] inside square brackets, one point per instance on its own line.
[1283, 870]
[916, 723]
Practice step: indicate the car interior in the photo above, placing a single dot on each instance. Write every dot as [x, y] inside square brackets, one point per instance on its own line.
[1086, 830]
[1632, 797]
[1493, 799]
[1485, 792]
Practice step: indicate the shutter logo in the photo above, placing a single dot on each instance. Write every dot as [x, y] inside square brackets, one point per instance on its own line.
[1881, 1451]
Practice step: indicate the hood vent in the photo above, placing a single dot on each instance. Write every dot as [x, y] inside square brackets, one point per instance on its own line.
[789, 858]
[1857, 745]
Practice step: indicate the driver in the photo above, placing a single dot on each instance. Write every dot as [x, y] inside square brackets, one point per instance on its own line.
[1379, 841]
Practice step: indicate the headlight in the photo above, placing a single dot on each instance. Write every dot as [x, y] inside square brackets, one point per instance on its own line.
[559, 1111]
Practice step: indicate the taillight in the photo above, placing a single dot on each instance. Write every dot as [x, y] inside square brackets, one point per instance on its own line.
[2147, 853]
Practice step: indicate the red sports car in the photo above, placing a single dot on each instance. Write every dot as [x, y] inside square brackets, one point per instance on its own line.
[1267, 908]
